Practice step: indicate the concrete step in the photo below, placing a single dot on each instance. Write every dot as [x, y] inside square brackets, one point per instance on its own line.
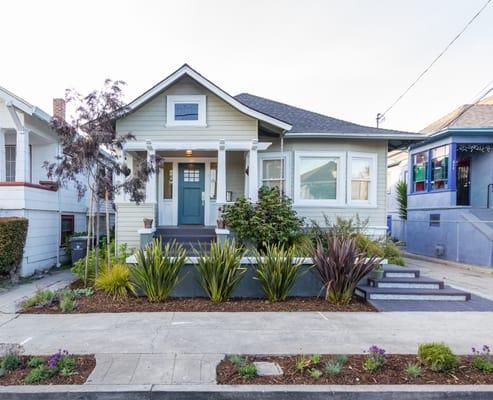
[185, 230]
[445, 294]
[188, 238]
[395, 271]
[406, 283]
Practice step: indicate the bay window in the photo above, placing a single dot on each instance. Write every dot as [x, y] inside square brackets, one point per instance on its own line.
[430, 170]
[273, 170]
[362, 183]
[420, 172]
[439, 168]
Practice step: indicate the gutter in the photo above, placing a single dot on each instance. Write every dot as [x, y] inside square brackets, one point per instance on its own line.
[410, 136]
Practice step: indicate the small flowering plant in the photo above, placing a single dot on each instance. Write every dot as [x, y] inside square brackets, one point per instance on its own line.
[62, 362]
[482, 359]
[375, 359]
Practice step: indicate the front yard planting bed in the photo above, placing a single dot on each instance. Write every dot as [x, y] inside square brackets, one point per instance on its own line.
[101, 302]
[352, 372]
[84, 365]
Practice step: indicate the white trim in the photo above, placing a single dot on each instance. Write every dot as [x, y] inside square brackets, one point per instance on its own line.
[241, 145]
[198, 99]
[186, 70]
[372, 189]
[146, 231]
[341, 178]
[277, 155]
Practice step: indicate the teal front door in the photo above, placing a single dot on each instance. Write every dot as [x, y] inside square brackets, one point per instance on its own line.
[191, 184]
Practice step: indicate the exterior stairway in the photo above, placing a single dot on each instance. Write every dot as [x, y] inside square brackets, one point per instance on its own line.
[401, 283]
[191, 237]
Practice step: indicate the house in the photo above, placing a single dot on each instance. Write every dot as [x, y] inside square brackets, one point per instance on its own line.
[26, 142]
[450, 199]
[216, 148]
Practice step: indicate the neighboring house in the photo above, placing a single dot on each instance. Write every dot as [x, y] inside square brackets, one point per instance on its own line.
[217, 148]
[26, 141]
[450, 202]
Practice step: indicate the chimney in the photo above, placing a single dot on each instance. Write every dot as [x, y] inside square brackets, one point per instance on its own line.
[59, 108]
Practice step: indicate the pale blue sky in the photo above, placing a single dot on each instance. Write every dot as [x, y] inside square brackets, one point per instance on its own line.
[347, 59]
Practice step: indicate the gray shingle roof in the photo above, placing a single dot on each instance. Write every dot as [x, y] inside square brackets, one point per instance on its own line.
[304, 121]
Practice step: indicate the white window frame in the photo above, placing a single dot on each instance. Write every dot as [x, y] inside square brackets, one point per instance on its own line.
[269, 156]
[372, 187]
[200, 100]
[339, 201]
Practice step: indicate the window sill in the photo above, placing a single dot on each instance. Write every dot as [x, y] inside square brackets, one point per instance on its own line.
[177, 125]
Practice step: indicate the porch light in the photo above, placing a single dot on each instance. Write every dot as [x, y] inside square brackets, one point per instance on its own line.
[188, 153]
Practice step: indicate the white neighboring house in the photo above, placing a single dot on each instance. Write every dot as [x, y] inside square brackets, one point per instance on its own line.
[217, 148]
[26, 141]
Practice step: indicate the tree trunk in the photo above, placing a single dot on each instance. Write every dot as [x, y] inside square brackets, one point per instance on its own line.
[88, 243]
[96, 267]
[108, 240]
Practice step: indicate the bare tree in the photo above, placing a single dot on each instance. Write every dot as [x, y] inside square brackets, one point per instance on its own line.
[90, 149]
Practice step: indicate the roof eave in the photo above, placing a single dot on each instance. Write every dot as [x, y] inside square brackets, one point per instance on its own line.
[387, 136]
[187, 70]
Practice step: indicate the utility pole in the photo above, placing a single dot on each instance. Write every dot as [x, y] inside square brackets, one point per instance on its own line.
[379, 118]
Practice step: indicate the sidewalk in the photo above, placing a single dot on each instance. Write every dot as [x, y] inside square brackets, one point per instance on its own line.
[10, 299]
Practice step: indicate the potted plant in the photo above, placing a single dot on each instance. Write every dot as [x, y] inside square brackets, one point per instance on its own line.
[221, 224]
[377, 272]
[148, 223]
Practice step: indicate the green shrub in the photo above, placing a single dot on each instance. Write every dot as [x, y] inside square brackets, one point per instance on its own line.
[401, 189]
[341, 227]
[38, 374]
[340, 266]
[13, 233]
[158, 271]
[271, 221]
[220, 271]
[10, 361]
[302, 362]
[276, 271]
[341, 359]
[237, 360]
[333, 368]
[413, 370]
[66, 365]
[369, 247]
[67, 303]
[374, 359]
[315, 373]
[40, 297]
[438, 356]
[392, 253]
[483, 360]
[116, 281]
[35, 362]
[248, 370]
[315, 358]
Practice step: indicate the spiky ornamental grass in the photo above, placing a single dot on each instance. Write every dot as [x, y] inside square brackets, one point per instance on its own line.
[158, 269]
[277, 271]
[341, 266]
[220, 271]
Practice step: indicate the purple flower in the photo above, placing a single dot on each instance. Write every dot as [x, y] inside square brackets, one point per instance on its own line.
[377, 350]
[55, 358]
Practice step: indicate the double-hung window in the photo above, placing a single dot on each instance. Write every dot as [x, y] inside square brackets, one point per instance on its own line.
[167, 180]
[10, 163]
[319, 178]
[362, 182]
[185, 110]
[439, 168]
[420, 172]
[273, 170]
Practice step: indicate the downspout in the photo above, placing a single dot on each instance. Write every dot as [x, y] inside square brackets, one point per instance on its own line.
[283, 182]
[59, 200]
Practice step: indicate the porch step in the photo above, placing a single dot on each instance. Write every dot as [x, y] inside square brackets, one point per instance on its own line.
[406, 283]
[445, 294]
[396, 271]
[192, 238]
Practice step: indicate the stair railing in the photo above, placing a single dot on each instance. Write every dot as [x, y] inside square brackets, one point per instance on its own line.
[490, 189]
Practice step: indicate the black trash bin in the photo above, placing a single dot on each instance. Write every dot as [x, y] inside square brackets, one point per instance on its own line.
[78, 246]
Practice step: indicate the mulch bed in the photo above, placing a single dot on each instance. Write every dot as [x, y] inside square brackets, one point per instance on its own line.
[393, 373]
[101, 302]
[83, 368]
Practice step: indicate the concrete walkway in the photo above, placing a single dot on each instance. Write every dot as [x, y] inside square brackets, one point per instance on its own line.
[478, 281]
[10, 299]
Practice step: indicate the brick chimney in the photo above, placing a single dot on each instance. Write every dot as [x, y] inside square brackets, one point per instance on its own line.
[59, 108]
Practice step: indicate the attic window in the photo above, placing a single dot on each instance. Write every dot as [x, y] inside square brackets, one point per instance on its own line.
[186, 110]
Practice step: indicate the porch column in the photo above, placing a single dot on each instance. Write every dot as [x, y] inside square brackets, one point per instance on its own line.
[3, 166]
[253, 172]
[151, 190]
[221, 173]
[22, 168]
[119, 179]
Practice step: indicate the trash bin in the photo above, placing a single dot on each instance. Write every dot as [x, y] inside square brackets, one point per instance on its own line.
[78, 246]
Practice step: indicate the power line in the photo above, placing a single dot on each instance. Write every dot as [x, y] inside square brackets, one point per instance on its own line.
[469, 106]
[380, 116]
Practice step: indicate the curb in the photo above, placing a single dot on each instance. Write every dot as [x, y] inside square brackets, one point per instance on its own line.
[248, 392]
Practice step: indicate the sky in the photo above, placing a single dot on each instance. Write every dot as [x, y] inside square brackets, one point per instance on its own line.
[348, 59]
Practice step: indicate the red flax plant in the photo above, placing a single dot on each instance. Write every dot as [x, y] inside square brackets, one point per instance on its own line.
[341, 266]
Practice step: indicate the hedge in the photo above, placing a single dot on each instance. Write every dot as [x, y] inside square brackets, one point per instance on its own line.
[13, 232]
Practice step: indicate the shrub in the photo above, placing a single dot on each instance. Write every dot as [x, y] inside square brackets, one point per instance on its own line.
[35, 362]
[158, 271]
[401, 189]
[38, 374]
[248, 370]
[61, 362]
[413, 370]
[341, 266]
[341, 227]
[13, 233]
[375, 359]
[271, 221]
[341, 359]
[392, 253]
[333, 368]
[40, 298]
[482, 360]
[276, 271]
[315, 373]
[438, 356]
[10, 361]
[220, 271]
[302, 362]
[237, 360]
[315, 358]
[116, 281]
[67, 304]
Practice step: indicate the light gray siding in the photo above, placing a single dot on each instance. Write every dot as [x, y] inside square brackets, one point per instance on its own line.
[223, 120]
[376, 215]
[129, 220]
